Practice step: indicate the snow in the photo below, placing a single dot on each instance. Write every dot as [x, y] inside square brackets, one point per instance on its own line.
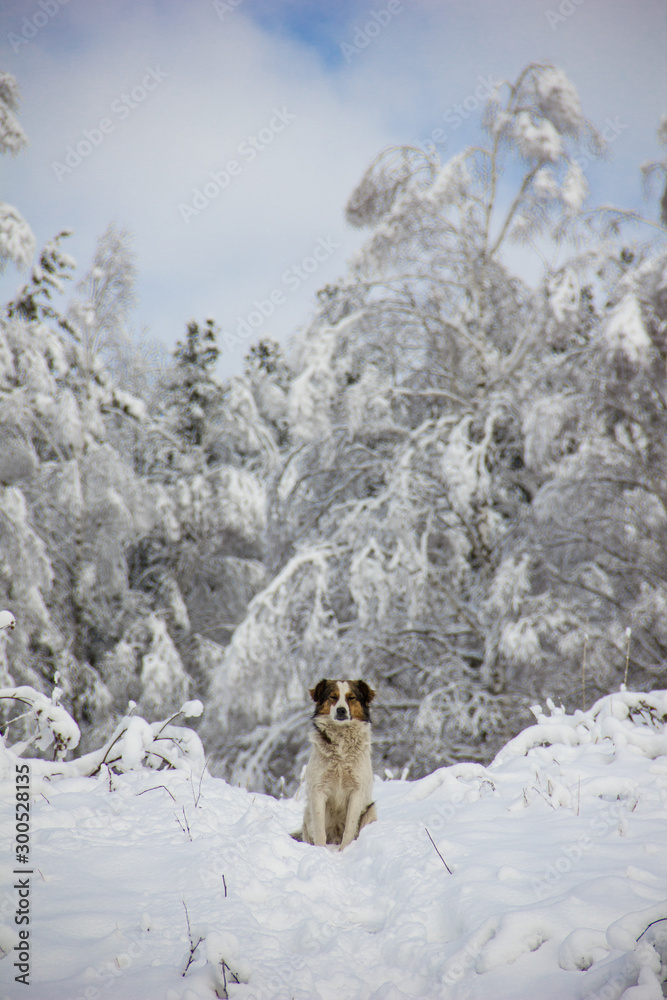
[12, 137]
[52, 720]
[546, 422]
[7, 620]
[369, 583]
[559, 101]
[625, 332]
[17, 240]
[538, 141]
[662, 129]
[451, 182]
[162, 670]
[558, 886]
[464, 466]
[129, 404]
[545, 184]
[575, 188]
[311, 392]
[564, 294]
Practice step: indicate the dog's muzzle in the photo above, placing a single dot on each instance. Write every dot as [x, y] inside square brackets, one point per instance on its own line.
[341, 714]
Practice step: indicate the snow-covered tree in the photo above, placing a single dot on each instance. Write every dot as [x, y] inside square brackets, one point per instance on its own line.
[17, 241]
[659, 168]
[195, 389]
[104, 298]
[436, 399]
[208, 450]
[73, 508]
[452, 484]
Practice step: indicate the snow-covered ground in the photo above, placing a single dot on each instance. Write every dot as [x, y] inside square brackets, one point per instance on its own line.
[558, 884]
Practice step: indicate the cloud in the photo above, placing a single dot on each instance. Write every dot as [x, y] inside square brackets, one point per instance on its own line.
[215, 88]
[223, 81]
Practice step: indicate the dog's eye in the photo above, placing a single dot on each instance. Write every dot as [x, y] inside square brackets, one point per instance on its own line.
[351, 697]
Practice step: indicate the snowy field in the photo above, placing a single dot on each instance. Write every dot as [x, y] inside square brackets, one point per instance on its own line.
[558, 884]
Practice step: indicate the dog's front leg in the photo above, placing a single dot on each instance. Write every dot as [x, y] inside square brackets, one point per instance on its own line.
[355, 807]
[318, 813]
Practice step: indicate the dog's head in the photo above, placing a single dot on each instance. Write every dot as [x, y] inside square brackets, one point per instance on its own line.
[342, 701]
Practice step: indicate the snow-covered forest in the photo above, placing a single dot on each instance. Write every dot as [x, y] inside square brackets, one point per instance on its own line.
[452, 482]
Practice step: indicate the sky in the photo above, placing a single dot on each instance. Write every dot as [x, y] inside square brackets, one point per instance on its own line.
[227, 135]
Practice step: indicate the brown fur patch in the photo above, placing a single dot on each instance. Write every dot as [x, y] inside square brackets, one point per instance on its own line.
[358, 699]
[322, 693]
[326, 692]
[357, 708]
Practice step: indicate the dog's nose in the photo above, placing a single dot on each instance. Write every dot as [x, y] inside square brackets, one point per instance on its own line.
[341, 712]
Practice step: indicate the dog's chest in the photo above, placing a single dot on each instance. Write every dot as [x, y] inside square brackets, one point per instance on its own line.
[339, 768]
[339, 777]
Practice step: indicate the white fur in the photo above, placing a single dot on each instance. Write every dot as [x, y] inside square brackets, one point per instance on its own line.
[343, 688]
[339, 779]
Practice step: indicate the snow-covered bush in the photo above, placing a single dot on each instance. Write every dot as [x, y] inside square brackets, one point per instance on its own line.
[624, 718]
[133, 745]
[52, 723]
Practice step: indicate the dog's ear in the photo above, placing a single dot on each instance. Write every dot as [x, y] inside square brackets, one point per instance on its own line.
[366, 692]
[317, 693]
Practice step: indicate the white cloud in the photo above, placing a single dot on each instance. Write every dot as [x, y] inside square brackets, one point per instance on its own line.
[222, 82]
[224, 78]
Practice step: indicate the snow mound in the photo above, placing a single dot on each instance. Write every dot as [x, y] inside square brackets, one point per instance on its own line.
[175, 884]
[626, 718]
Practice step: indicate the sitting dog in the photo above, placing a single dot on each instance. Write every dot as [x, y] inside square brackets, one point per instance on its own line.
[339, 775]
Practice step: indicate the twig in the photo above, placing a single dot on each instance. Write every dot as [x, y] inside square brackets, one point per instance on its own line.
[659, 920]
[201, 778]
[193, 945]
[225, 969]
[187, 825]
[583, 675]
[628, 635]
[186, 828]
[112, 744]
[224, 995]
[438, 852]
[224, 885]
[155, 788]
[540, 792]
[170, 719]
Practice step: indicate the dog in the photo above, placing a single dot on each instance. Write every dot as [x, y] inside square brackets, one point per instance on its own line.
[339, 774]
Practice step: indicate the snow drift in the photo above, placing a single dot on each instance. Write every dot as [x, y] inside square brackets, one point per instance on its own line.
[174, 884]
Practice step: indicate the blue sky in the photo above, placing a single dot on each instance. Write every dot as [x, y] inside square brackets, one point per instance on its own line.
[216, 82]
